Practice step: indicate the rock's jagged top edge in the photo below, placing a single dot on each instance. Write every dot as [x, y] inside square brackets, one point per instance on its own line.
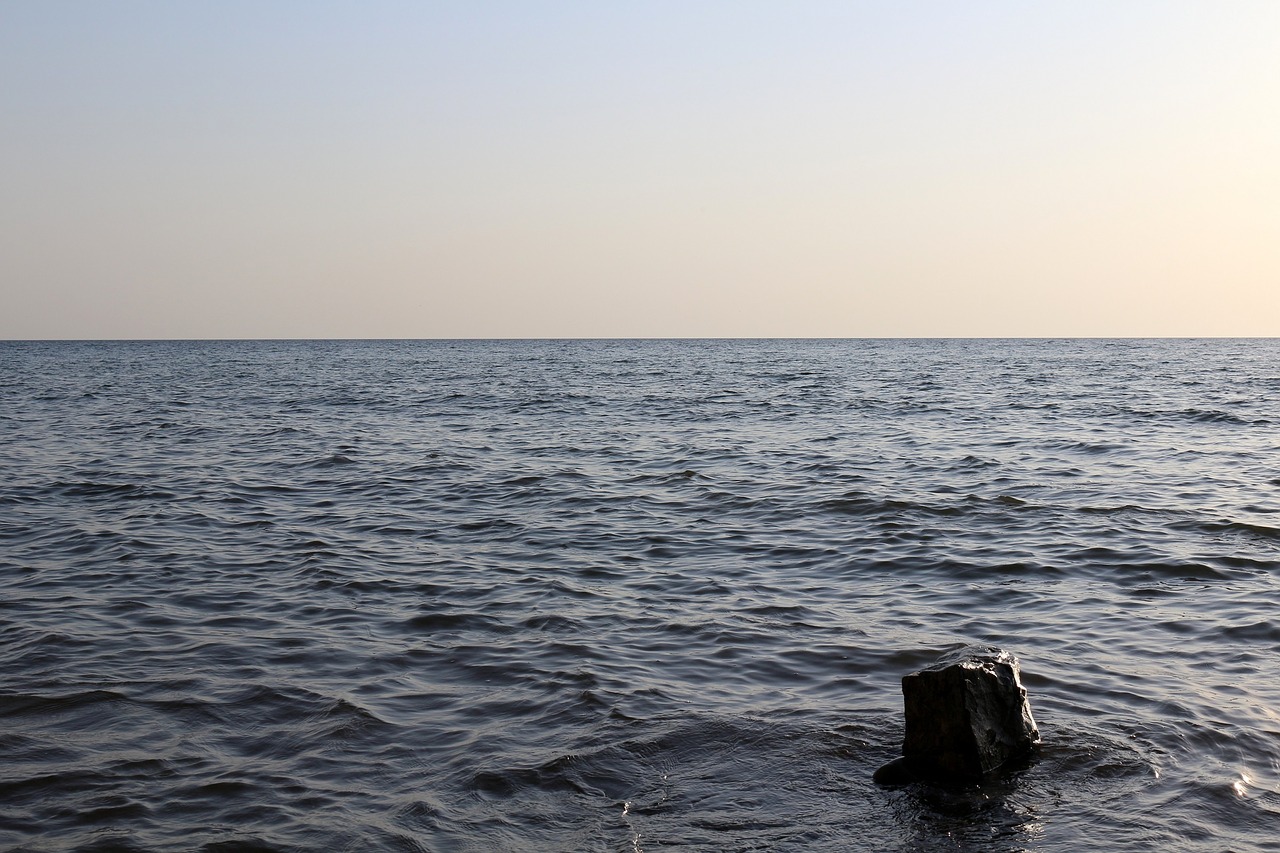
[975, 656]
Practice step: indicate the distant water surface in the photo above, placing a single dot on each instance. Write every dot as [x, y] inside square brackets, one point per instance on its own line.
[631, 595]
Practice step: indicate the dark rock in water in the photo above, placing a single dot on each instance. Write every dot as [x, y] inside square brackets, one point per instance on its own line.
[896, 772]
[966, 716]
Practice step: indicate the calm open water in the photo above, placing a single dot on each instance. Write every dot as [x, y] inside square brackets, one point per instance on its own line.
[631, 595]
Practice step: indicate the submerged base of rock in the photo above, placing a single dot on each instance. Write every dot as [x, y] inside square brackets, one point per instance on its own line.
[966, 716]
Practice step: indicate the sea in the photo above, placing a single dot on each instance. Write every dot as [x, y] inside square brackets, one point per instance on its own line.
[631, 595]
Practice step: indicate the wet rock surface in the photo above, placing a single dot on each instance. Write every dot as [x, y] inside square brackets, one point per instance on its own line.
[967, 716]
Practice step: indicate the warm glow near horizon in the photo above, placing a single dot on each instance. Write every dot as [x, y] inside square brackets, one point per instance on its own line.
[660, 169]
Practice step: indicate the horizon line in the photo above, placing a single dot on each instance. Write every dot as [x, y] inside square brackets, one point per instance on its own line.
[589, 338]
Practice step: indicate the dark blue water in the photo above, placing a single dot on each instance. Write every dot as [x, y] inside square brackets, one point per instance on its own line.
[631, 596]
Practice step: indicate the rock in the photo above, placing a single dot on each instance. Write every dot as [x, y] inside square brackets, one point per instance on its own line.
[966, 716]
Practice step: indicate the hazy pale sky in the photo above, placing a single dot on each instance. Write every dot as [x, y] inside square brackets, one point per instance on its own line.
[601, 169]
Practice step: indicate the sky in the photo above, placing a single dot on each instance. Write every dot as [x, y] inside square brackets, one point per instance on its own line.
[696, 168]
